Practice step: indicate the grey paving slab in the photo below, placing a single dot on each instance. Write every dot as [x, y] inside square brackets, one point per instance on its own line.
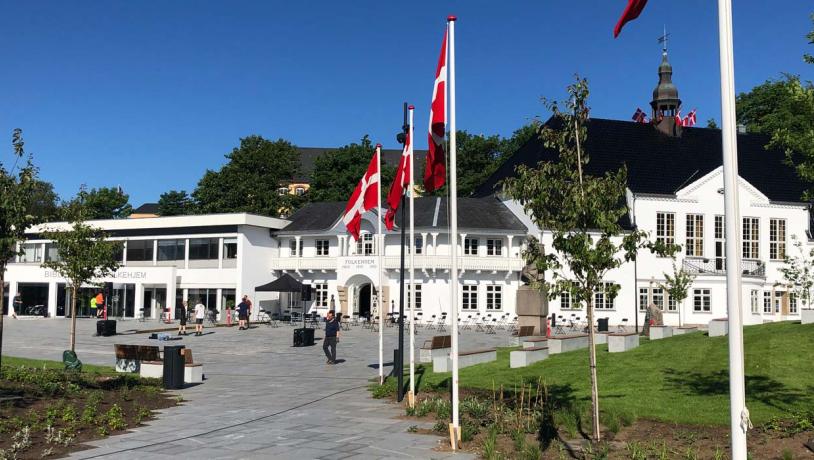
[261, 398]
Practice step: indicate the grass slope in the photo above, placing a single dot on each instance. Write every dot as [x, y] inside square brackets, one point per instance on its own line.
[12, 361]
[684, 379]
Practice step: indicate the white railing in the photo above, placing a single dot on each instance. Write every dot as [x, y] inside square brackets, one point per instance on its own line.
[422, 262]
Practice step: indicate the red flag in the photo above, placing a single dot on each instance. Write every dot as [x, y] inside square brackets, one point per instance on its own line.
[435, 172]
[692, 118]
[632, 11]
[364, 197]
[400, 182]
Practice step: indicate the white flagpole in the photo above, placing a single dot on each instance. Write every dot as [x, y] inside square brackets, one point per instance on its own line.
[381, 265]
[739, 415]
[411, 245]
[453, 234]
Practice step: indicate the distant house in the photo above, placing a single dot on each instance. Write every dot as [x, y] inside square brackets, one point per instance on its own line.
[144, 211]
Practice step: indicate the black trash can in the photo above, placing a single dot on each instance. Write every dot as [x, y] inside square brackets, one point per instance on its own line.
[173, 367]
[106, 328]
[553, 319]
[603, 325]
[303, 337]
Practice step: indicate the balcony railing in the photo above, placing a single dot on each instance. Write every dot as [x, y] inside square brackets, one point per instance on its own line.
[422, 262]
[717, 267]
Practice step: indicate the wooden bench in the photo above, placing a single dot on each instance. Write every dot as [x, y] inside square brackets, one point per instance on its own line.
[465, 359]
[131, 358]
[525, 331]
[660, 332]
[622, 341]
[684, 330]
[718, 327]
[439, 345]
[565, 343]
[193, 373]
[527, 356]
[534, 342]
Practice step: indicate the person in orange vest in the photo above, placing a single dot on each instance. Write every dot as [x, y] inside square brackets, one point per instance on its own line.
[100, 304]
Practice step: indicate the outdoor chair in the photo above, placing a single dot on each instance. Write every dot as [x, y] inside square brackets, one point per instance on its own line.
[559, 327]
[490, 326]
[622, 327]
[442, 323]
[431, 323]
[374, 325]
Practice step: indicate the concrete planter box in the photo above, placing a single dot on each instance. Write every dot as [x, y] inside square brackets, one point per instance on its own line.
[601, 337]
[527, 356]
[807, 316]
[193, 374]
[534, 342]
[684, 330]
[660, 332]
[619, 343]
[718, 327]
[465, 359]
[566, 343]
[150, 369]
[426, 355]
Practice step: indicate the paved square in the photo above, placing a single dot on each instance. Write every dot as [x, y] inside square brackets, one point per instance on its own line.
[261, 397]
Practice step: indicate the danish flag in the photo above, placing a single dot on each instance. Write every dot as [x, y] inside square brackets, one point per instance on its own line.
[365, 196]
[435, 172]
[400, 183]
[632, 11]
[690, 119]
[639, 116]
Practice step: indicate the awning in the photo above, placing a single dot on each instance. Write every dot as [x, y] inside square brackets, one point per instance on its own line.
[285, 283]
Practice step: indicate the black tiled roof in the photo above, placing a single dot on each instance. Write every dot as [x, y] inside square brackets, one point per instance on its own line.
[660, 164]
[473, 213]
[146, 208]
[308, 158]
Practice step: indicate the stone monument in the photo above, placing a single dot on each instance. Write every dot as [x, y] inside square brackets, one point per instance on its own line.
[532, 304]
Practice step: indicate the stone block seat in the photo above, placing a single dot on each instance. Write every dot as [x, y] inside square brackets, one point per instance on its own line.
[565, 343]
[527, 356]
[660, 332]
[465, 359]
[807, 316]
[719, 327]
[684, 330]
[439, 345]
[534, 342]
[601, 337]
[622, 341]
[193, 373]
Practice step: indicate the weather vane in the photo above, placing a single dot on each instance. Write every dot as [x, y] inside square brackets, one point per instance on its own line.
[663, 39]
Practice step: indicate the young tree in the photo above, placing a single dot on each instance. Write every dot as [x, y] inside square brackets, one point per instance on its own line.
[677, 286]
[175, 203]
[336, 173]
[798, 272]
[582, 212]
[16, 186]
[101, 203]
[84, 255]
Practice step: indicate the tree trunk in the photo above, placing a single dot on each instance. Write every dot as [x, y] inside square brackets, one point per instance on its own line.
[2, 294]
[592, 353]
[73, 318]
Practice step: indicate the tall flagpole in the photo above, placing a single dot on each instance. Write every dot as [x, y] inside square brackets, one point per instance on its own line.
[411, 245]
[455, 431]
[739, 415]
[381, 265]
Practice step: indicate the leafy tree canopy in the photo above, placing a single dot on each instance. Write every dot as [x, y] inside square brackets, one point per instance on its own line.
[175, 203]
[807, 57]
[43, 201]
[248, 182]
[101, 203]
[336, 173]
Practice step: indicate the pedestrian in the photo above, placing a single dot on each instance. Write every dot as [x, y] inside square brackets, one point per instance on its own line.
[17, 305]
[100, 304]
[181, 313]
[249, 309]
[93, 310]
[331, 337]
[200, 314]
[242, 314]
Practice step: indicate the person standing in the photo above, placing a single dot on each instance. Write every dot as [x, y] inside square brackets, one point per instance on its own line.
[17, 305]
[242, 314]
[100, 304]
[93, 310]
[248, 302]
[331, 337]
[181, 313]
[200, 314]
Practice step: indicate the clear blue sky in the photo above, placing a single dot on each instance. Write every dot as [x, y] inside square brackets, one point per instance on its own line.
[149, 94]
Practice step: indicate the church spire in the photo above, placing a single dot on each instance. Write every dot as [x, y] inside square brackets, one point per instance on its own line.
[666, 103]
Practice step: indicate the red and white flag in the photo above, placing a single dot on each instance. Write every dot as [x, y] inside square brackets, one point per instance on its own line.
[400, 183]
[365, 196]
[632, 11]
[691, 119]
[435, 172]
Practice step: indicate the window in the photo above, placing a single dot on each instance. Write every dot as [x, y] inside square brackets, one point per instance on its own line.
[171, 249]
[665, 227]
[702, 300]
[321, 295]
[777, 239]
[469, 299]
[658, 298]
[755, 302]
[470, 246]
[792, 303]
[292, 248]
[203, 249]
[230, 248]
[720, 247]
[767, 302]
[603, 299]
[364, 245]
[671, 303]
[282, 191]
[417, 305]
[494, 247]
[644, 298]
[299, 191]
[751, 238]
[322, 247]
[51, 252]
[695, 235]
[31, 253]
[565, 301]
[494, 297]
[139, 250]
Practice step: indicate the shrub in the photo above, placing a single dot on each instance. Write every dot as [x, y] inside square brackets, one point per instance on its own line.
[115, 418]
[490, 445]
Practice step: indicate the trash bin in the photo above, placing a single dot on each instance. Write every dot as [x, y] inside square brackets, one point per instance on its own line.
[553, 319]
[106, 328]
[603, 325]
[303, 337]
[173, 367]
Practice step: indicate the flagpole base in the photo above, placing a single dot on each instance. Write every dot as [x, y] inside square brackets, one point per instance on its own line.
[410, 399]
[454, 436]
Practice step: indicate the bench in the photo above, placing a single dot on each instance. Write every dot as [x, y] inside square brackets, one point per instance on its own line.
[684, 330]
[439, 345]
[465, 359]
[525, 331]
[131, 358]
[565, 343]
[807, 316]
[718, 327]
[193, 373]
[527, 356]
[622, 341]
[534, 342]
[660, 332]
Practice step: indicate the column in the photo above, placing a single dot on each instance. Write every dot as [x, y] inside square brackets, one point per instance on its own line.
[220, 253]
[339, 246]
[52, 299]
[297, 247]
[508, 245]
[435, 243]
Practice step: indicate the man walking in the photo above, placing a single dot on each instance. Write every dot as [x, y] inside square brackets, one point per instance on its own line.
[200, 314]
[181, 313]
[242, 314]
[331, 337]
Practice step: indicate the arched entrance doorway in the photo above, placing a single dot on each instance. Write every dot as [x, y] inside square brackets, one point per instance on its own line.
[358, 297]
[364, 301]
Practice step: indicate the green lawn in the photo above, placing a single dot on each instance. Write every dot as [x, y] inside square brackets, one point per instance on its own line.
[12, 361]
[683, 379]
